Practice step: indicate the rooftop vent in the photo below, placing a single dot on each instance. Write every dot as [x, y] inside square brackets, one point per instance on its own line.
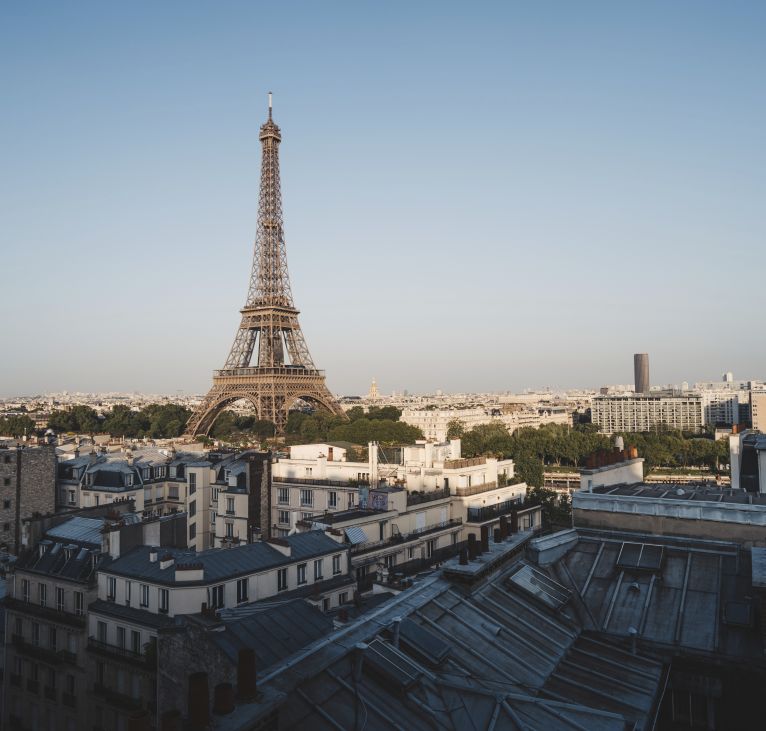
[392, 665]
[423, 644]
[641, 557]
[542, 587]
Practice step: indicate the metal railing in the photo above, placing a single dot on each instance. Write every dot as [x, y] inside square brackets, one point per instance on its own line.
[489, 512]
[401, 538]
[104, 648]
[318, 481]
[427, 497]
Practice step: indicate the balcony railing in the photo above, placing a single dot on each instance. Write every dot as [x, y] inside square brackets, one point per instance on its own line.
[490, 512]
[115, 698]
[48, 613]
[317, 481]
[401, 538]
[475, 489]
[104, 648]
[427, 497]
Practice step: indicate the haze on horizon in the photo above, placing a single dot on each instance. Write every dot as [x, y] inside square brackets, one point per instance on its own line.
[475, 200]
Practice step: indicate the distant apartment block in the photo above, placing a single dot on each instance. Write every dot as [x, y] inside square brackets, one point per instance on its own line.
[647, 412]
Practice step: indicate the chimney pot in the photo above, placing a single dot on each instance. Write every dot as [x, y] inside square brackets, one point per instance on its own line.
[246, 674]
[484, 538]
[199, 702]
[223, 699]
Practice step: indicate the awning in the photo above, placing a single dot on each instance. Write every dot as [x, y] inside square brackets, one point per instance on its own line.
[355, 534]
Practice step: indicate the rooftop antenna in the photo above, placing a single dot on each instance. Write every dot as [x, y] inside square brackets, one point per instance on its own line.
[269, 106]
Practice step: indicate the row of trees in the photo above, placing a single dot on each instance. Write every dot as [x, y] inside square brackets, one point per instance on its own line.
[559, 444]
[16, 426]
[378, 424]
[158, 421]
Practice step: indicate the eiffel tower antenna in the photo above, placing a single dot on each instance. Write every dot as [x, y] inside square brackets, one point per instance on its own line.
[284, 371]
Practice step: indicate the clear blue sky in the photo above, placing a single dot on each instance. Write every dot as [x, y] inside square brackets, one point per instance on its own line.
[478, 196]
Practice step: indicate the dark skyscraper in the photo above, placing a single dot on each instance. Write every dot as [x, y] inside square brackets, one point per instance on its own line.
[641, 369]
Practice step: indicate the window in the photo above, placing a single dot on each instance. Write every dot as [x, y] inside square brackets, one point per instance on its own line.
[129, 480]
[230, 530]
[307, 498]
[241, 590]
[19, 626]
[390, 561]
[25, 590]
[343, 597]
[336, 565]
[163, 600]
[192, 483]
[301, 573]
[309, 471]
[192, 508]
[35, 633]
[325, 605]
[430, 546]
[111, 588]
[173, 492]
[230, 506]
[6, 481]
[121, 638]
[79, 604]
[192, 531]
[59, 600]
[411, 552]
[51, 680]
[283, 496]
[52, 638]
[284, 517]
[6, 504]
[144, 595]
[216, 596]
[350, 500]
[43, 594]
[318, 569]
[282, 579]
[128, 587]
[306, 516]
[333, 499]
[70, 684]
[159, 472]
[101, 631]
[135, 642]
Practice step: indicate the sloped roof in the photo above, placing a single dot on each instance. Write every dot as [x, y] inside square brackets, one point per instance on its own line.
[222, 564]
[81, 530]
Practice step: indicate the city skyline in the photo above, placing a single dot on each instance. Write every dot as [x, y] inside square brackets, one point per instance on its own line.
[471, 207]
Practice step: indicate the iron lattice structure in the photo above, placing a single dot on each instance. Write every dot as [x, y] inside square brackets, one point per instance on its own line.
[284, 371]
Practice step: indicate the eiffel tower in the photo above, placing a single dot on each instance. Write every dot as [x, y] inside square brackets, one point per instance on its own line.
[284, 371]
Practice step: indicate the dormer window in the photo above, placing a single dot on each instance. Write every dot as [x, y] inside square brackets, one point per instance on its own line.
[128, 480]
[147, 473]
[160, 471]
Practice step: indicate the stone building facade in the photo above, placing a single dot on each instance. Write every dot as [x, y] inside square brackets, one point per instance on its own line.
[27, 488]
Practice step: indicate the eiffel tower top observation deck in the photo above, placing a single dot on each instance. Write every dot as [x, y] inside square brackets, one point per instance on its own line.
[284, 371]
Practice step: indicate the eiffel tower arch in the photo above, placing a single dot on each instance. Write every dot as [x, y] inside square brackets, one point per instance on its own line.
[284, 371]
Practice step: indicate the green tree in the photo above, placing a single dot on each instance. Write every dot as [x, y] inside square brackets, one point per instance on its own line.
[455, 429]
[16, 426]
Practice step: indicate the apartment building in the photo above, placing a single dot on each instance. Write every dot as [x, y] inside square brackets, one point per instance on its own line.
[643, 412]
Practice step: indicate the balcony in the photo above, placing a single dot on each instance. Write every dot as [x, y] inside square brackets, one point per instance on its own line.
[476, 489]
[491, 512]
[30, 609]
[45, 654]
[123, 653]
[117, 699]
[427, 497]
[402, 538]
[317, 481]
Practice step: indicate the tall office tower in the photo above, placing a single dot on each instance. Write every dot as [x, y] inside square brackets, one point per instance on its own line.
[641, 368]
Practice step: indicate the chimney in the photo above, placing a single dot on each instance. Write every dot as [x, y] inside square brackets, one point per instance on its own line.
[153, 554]
[171, 721]
[463, 556]
[497, 535]
[329, 454]
[473, 548]
[92, 456]
[504, 527]
[166, 561]
[199, 702]
[246, 682]
[223, 699]
[129, 456]
[484, 538]
[139, 721]
[397, 625]
[76, 452]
